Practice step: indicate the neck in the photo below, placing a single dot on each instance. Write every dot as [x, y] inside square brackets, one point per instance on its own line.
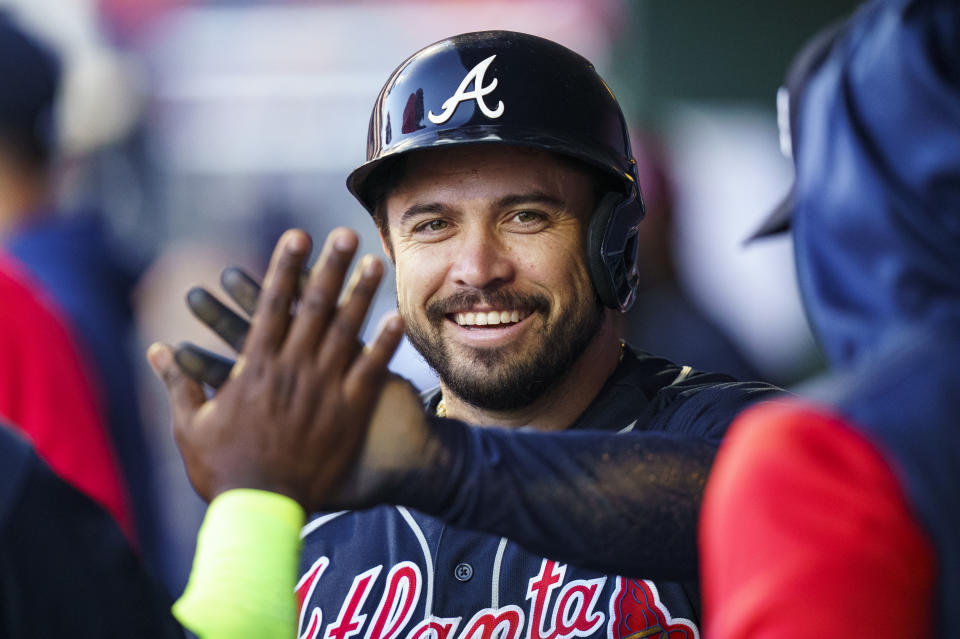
[560, 406]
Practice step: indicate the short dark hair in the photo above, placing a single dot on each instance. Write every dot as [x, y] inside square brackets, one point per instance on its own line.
[380, 185]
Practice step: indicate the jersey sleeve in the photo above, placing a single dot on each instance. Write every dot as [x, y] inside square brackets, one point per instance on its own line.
[617, 501]
[806, 532]
[705, 404]
[620, 503]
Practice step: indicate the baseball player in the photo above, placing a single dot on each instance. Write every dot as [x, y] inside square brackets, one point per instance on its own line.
[839, 515]
[46, 387]
[500, 177]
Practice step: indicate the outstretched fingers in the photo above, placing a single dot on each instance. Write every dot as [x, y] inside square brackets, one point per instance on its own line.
[369, 369]
[339, 345]
[186, 395]
[243, 289]
[202, 365]
[318, 302]
[272, 316]
[218, 317]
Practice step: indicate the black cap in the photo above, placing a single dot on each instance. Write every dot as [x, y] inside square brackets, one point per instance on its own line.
[30, 77]
[802, 68]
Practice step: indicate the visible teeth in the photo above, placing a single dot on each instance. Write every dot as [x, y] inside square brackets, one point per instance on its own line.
[488, 318]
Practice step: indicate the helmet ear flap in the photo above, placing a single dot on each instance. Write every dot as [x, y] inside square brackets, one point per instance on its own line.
[612, 249]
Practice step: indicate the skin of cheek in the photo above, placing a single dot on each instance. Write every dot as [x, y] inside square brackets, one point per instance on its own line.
[549, 263]
[415, 265]
[556, 259]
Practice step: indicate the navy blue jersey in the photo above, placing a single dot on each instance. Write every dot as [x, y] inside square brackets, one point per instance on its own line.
[393, 572]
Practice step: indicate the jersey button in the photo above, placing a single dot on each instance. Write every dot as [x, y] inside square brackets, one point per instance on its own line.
[463, 572]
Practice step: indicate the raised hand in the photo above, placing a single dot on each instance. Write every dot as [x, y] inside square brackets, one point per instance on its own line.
[301, 389]
[201, 364]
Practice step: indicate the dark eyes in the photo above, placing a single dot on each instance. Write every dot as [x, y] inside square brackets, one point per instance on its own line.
[528, 220]
[525, 217]
[431, 226]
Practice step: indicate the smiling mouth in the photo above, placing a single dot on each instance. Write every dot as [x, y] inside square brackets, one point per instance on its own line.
[488, 318]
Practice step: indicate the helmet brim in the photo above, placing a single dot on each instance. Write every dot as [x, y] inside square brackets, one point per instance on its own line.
[357, 181]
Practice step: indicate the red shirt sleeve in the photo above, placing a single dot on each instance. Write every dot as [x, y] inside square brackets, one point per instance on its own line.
[805, 532]
[45, 391]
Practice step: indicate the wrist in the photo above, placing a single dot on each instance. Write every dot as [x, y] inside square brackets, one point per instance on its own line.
[245, 567]
[245, 484]
[431, 483]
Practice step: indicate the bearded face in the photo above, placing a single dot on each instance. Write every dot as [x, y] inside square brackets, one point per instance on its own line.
[488, 243]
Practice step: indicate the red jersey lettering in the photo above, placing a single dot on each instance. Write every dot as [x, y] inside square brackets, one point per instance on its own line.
[494, 623]
[538, 591]
[348, 622]
[304, 590]
[435, 628]
[399, 598]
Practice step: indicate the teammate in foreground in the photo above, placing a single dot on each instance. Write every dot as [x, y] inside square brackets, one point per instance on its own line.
[47, 388]
[840, 515]
[68, 570]
[500, 176]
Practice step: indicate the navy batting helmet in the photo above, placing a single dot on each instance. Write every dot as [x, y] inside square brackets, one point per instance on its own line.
[502, 87]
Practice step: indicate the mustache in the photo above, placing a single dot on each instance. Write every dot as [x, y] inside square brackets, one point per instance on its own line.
[437, 310]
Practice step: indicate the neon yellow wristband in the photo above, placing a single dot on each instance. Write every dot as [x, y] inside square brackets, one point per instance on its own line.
[245, 568]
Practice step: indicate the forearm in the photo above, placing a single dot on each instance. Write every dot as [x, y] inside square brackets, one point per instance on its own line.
[623, 503]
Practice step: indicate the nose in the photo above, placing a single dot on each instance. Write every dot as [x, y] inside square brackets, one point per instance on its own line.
[482, 261]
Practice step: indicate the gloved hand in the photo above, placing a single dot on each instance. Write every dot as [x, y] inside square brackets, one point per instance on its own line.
[291, 415]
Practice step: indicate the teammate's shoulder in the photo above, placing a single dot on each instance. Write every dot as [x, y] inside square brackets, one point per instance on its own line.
[30, 320]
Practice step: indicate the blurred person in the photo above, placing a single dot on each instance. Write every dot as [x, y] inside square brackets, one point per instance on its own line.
[44, 386]
[44, 389]
[500, 176]
[664, 318]
[840, 513]
[70, 261]
[67, 569]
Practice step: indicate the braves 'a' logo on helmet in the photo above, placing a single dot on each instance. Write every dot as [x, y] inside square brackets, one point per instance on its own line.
[475, 76]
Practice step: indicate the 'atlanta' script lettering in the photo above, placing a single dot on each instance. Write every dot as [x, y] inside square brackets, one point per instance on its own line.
[556, 610]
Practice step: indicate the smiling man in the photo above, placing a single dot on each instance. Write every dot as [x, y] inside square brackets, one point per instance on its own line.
[495, 291]
[500, 176]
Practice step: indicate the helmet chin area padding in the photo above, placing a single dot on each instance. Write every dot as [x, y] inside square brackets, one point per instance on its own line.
[612, 249]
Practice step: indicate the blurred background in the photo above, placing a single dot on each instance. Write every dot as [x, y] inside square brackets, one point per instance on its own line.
[201, 130]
